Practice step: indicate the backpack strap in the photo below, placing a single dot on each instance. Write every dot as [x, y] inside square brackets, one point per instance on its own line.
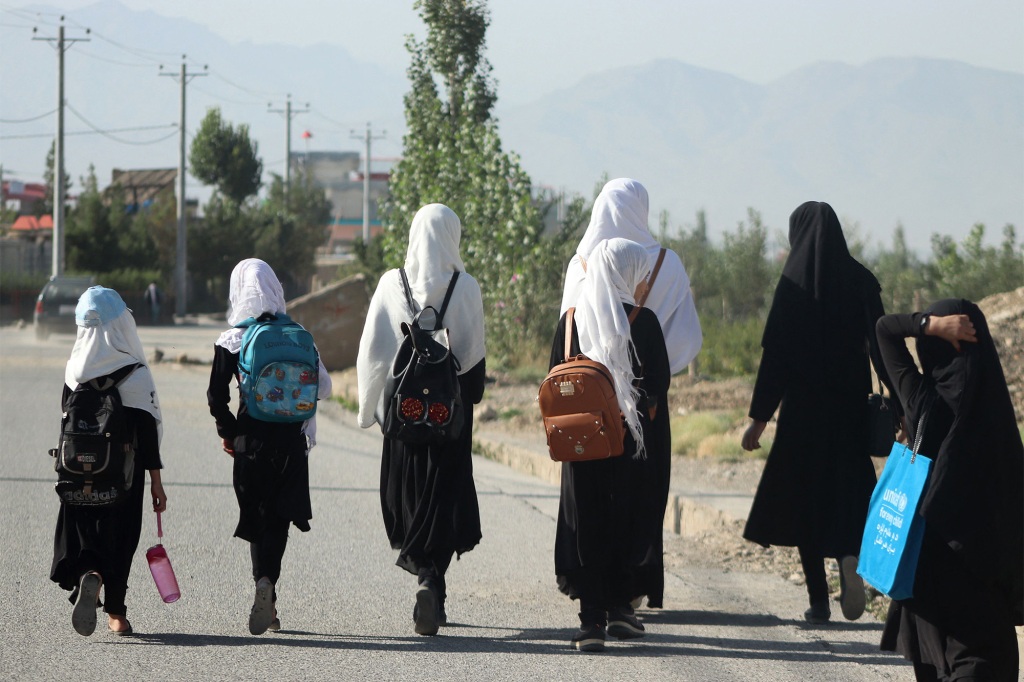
[650, 284]
[447, 297]
[568, 333]
[105, 383]
[408, 291]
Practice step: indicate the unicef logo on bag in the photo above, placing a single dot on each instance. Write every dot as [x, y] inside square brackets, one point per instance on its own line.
[897, 498]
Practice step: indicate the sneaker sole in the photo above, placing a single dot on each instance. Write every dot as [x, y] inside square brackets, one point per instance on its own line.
[83, 616]
[262, 613]
[426, 612]
[589, 645]
[852, 600]
[620, 629]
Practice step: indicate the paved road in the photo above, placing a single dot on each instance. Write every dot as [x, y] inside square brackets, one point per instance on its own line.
[345, 608]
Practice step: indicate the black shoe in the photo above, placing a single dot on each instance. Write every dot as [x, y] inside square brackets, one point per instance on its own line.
[589, 638]
[425, 613]
[623, 624]
[818, 613]
[442, 616]
[851, 589]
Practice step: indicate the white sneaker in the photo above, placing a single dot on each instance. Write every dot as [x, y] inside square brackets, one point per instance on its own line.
[262, 614]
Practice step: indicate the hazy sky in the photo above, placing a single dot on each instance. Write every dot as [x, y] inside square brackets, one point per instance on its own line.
[536, 46]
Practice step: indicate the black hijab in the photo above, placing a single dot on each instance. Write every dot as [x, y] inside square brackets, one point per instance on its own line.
[975, 496]
[819, 310]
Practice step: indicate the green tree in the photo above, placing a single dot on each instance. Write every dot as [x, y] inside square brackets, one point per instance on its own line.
[899, 272]
[745, 277]
[45, 207]
[292, 227]
[453, 155]
[95, 228]
[223, 156]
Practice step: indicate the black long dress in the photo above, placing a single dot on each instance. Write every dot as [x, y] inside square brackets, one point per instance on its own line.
[270, 471]
[969, 586]
[818, 477]
[105, 539]
[608, 539]
[427, 494]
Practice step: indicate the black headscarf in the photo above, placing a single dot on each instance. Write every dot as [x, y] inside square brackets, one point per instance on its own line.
[975, 496]
[819, 308]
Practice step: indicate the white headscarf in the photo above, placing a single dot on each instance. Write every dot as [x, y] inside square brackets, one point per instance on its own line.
[621, 210]
[254, 289]
[615, 268]
[432, 257]
[107, 341]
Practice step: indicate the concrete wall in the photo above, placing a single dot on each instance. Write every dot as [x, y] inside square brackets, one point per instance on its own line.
[335, 316]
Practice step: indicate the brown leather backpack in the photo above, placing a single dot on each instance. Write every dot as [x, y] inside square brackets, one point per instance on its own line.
[581, 414]
[582, 418]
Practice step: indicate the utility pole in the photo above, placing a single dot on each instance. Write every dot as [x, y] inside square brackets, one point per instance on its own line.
[289, 114]
[367, 138]
[59, 190]
[181, 249]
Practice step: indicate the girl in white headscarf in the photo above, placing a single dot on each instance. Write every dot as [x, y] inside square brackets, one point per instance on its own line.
[94, 546]
[427, 493]
[620, 210]
[607, 549]
[271, 472]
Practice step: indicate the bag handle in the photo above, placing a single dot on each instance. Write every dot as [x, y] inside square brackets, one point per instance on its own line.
[921, 423]
[115, 378]
[159, 526]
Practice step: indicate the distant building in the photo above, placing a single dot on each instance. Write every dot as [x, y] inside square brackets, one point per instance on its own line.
[341, 176]
[142, 186]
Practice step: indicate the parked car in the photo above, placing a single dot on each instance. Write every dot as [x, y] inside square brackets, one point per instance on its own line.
[55, 307]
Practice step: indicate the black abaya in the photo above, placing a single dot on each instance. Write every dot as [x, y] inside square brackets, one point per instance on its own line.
[427, 494]
[970, 579]
[270, 470]
[608, 540]
[815, 371]
[104, 539]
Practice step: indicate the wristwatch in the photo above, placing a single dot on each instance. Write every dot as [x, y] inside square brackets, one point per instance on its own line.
[924, 322]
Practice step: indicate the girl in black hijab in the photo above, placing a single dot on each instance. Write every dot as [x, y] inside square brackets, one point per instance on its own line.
[969, 587]
[815, 370]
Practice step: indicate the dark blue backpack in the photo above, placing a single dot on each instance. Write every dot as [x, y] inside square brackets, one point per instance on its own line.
[278, 369]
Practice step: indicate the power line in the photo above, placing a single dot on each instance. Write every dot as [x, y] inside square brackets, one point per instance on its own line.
[29, 136]
[28, 120]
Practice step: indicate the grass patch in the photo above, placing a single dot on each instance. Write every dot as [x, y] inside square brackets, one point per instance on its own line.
[350, 404]
[510, 413]
[713, 434]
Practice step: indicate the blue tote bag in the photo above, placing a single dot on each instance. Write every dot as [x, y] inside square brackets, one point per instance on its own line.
[894, 530]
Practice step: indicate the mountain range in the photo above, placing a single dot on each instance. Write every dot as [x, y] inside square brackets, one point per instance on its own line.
[930, 144]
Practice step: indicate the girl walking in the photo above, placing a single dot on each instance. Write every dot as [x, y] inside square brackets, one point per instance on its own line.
[428, 498]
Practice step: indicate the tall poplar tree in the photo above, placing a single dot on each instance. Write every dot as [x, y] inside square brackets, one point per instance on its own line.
[453, 155]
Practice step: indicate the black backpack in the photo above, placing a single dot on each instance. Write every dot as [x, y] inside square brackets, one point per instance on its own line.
[424, 401]
[95, 460]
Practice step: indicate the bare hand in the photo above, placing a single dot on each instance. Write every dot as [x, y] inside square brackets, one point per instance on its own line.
[902, 434]
[952, 328]
[228, 445]
[752, 436]
[156, 489]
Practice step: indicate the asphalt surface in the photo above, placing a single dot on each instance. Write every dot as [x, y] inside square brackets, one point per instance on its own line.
[345, 608]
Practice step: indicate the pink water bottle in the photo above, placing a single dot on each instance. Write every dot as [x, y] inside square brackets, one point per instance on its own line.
[160, 567]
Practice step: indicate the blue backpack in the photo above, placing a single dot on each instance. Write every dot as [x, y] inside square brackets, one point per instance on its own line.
[278, 369]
